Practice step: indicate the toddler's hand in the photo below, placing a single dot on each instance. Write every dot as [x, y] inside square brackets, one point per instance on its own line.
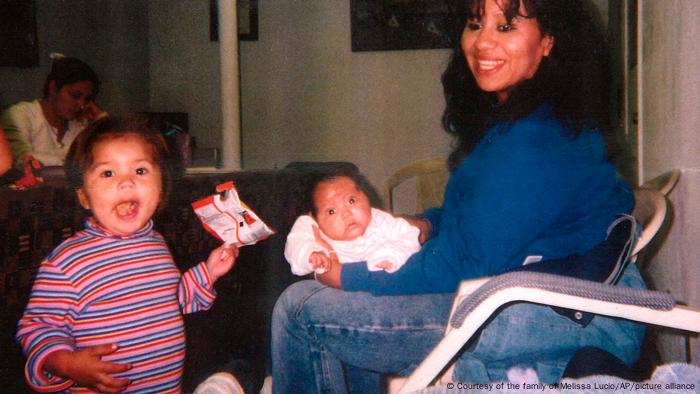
[86, 368]
[319, 262]
[221, 260]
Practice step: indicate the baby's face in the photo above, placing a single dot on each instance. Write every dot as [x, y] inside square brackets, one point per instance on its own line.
[123, 185]
[342, 209]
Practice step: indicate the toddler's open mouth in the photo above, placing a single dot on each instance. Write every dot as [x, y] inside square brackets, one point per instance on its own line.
[126, 208]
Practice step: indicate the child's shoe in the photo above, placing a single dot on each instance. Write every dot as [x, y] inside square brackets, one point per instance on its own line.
[219, 383]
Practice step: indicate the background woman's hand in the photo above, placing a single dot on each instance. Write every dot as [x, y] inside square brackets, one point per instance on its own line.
[91, 112]
[86, 368]
[221, 260]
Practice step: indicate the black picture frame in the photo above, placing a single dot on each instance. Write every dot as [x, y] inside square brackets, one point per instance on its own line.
[19, 45]
[247, 12]
[382, 25]
[248, 20]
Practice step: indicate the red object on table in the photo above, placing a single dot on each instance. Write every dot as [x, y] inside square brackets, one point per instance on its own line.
[29, 179]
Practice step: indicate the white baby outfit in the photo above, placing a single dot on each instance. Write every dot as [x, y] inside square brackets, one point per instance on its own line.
[387, 238]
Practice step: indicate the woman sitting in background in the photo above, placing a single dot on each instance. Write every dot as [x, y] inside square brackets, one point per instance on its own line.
[43, 129]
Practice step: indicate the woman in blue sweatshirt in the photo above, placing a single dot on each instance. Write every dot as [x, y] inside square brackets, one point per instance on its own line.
[529, 178]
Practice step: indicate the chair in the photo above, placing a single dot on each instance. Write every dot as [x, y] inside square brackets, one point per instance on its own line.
[431, 178]
[664, 183]
[477, 299]
[650, 211]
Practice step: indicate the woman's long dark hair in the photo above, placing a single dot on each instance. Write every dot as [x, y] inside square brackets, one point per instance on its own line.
[69, 70]
[574, 77]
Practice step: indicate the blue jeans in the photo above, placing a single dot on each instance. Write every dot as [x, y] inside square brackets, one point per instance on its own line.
[317, 332]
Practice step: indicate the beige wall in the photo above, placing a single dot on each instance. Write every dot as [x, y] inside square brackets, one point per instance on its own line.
[184, 66]
[670, 127]
[307, 97]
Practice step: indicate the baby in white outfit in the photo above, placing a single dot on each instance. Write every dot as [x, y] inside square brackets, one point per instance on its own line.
[341, 216]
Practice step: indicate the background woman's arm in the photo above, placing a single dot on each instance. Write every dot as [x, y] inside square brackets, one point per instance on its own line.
[16, 126]
[5, 154]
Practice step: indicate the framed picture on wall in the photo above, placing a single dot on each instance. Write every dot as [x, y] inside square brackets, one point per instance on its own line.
[248, 20]
[18, 37]
[382, 25]
[247, 12]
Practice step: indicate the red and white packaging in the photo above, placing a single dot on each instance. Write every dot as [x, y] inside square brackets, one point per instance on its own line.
[228, 218]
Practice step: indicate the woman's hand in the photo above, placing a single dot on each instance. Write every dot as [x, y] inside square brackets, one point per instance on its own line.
[319, 261]
[86, 368]
[423, 226]
[221, 260]
[91, 112]
[331, 276]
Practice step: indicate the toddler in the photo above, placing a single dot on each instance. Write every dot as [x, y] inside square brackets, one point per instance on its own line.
[341, 223]
[105, 310]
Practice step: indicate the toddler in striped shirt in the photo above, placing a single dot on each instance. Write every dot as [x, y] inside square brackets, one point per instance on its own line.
[105, 310]
[341, 224]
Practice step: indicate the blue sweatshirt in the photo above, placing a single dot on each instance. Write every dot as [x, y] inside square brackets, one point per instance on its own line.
[526, 189]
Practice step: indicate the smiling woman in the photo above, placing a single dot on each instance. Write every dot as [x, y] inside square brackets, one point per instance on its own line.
[503, 51]
[44, 128]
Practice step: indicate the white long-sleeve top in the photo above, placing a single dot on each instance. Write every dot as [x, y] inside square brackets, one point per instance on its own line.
[387, 238]
[30, 133]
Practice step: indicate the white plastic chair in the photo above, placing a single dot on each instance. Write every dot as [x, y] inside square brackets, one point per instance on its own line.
[478, 299]
[650, 210]
[664, 183]
[431, 178]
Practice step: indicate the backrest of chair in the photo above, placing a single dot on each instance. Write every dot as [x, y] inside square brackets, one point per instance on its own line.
[650, 211]
[664, 183]
[431, 178]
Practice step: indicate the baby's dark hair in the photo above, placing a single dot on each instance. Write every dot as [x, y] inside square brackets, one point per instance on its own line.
[360, 181]
[80, 155]
[68, 70]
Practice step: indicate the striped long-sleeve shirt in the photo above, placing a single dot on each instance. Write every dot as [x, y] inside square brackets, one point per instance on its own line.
[96, 289]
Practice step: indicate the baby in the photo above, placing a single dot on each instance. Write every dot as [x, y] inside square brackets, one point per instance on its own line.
[105, 310]
[341, 223]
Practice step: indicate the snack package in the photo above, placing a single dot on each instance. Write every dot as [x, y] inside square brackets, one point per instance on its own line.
[228, 218]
